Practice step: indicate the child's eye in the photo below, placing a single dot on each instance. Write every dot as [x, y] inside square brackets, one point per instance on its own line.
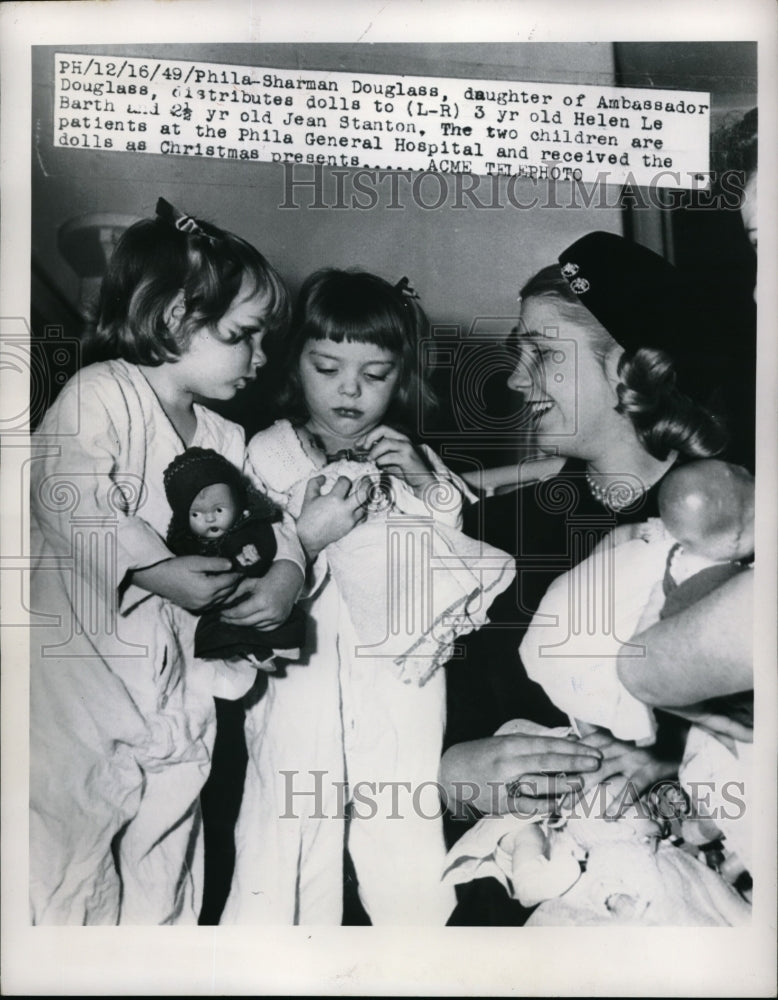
[242, 335]
[220, 510]
[325, 371]
[375, 378]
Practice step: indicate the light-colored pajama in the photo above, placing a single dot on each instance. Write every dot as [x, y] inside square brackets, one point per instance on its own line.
[343, 726]
[121, 714]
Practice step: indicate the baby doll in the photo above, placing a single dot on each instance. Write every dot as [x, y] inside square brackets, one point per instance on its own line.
[708, 507]
[636, 575]
[584, 869]
[705, 536]
[217, 512]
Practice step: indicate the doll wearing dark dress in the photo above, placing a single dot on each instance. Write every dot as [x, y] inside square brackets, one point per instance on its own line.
[216, 512]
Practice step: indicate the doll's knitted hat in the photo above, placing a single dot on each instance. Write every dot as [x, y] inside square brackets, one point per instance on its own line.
[195, 469]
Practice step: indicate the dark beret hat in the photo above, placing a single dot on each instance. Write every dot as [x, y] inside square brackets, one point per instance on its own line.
[195, 469]
[644, 301]
[638, 296]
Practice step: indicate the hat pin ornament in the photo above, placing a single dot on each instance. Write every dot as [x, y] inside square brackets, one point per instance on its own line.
[579, 286]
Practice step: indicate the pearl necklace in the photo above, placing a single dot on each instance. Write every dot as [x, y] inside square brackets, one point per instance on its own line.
[616, 495]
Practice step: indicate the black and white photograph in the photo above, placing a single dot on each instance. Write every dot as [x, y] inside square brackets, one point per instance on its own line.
[388, 433]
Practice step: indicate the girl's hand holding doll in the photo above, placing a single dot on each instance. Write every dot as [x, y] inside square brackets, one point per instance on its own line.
[327, 517]
[266, 602]
[393, 451]
[195, 583]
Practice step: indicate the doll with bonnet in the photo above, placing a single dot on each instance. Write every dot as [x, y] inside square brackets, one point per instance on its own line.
[217, 512]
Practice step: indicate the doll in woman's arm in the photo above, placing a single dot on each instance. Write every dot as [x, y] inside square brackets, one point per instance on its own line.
[217, 512]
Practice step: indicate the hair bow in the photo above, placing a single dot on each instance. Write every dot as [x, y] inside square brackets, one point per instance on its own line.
[180, 221]
[406, 289]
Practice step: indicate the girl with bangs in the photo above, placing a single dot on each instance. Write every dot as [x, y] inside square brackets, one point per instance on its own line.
[344, 749]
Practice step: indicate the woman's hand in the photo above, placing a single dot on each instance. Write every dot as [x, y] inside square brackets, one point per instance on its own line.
[538, 769]
[326, 518]
[195, 583]
[628, 770]
[266, 602]
[394, 452]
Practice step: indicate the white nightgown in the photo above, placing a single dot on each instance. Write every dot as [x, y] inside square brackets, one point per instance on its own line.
[121, 714]
[342, 726]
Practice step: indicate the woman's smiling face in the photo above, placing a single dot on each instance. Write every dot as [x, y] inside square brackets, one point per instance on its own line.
[563, 379]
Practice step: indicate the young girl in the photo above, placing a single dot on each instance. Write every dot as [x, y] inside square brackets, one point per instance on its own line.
[362, 722]
[122, 717]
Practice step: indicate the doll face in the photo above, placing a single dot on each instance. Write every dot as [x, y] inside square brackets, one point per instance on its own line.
[213, 511]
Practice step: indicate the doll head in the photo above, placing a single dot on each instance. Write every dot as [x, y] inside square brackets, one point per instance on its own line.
[708, 506]
[213, 511]
[206, 492]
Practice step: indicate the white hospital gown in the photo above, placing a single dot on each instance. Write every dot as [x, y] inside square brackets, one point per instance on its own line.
[121, 714]
[339, 725]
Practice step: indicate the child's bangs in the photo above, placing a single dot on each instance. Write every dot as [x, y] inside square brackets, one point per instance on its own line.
[359, 323]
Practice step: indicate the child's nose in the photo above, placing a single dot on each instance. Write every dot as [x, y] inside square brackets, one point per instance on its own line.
[349, 386]
[258, 356]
